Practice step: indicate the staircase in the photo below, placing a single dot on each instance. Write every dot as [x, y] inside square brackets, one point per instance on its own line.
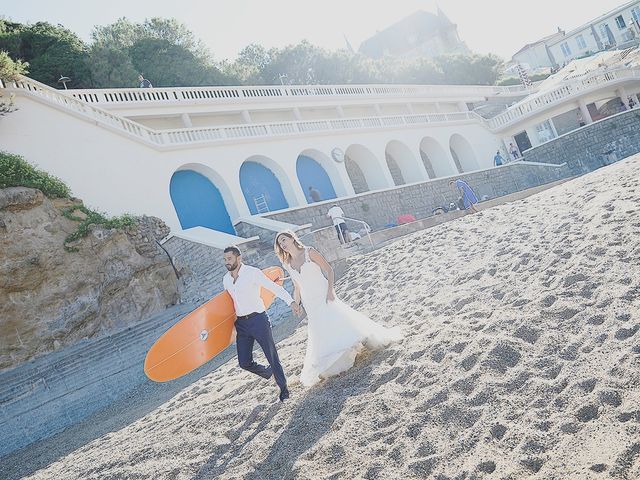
[52, 392]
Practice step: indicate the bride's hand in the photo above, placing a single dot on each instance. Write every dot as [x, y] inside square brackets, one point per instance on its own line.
[331, 296]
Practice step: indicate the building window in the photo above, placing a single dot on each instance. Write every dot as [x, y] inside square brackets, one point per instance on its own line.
[635, 13]
[581, 43]
[564, 46]
[620, 22]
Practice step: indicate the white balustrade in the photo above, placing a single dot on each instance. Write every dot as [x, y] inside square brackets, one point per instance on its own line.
[82, 103]
[200, 94]
[575, 86]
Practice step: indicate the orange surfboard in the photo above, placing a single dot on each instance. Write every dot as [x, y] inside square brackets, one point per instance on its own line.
[199, 336]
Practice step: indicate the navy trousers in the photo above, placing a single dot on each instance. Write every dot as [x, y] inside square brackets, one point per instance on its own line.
[258, 329]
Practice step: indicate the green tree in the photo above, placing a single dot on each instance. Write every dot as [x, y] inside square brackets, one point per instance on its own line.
[51, 51]
[164, 50]
[9, 70]
[469, 69]
[111, 68]
[170, 65]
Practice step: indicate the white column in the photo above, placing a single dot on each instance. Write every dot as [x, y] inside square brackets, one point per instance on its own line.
[376, 107]
[340, 111]
[345, 188]
[463, 107]
[296, 113]
[293, 192]
[246, 116]
[533, 136]
[586, 116]
[553, 128]
[239, 202]
[186, 120]
[622, 93]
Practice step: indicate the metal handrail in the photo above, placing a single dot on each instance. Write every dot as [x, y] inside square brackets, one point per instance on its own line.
[367, 228]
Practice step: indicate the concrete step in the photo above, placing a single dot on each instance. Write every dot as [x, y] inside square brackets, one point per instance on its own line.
[49, 393]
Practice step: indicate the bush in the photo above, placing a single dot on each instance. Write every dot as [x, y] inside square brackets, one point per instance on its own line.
[15, 171]
[92, 218]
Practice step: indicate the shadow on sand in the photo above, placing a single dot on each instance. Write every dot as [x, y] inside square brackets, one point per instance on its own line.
[125, 410]
[313, 417]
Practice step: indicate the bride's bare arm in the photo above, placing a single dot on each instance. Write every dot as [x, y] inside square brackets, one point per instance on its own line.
[296, 292]
[317, 257]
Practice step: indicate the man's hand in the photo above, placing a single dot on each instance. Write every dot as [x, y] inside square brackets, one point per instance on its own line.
[295, 306]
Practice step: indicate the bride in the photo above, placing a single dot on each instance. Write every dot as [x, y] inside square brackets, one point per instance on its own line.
[336, 331]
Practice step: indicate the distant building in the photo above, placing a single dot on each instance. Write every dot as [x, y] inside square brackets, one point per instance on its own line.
[537, 54]
[420, 35]
[616, 29]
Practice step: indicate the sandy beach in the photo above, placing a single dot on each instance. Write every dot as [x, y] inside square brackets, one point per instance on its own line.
[521, 360]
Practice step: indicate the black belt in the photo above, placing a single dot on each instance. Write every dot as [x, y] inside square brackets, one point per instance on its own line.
[247, 317]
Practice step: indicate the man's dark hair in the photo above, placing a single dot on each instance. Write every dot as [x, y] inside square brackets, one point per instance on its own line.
[233, 249]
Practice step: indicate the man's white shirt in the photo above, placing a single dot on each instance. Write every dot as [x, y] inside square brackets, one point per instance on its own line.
[245, 292]
[337, 215]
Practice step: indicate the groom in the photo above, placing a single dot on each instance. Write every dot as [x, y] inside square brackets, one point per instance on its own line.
[243, 283]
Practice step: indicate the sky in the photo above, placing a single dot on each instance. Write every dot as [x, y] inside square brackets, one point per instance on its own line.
[501, 27]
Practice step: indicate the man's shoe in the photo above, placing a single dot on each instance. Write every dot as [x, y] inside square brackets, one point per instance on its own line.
[284, 394]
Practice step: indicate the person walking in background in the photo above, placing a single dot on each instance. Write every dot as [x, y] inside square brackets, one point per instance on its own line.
[514, 151]
[497, 159]
[144, 83]
[314, 193]
[580, 119]
[469, 198]
[336, 214]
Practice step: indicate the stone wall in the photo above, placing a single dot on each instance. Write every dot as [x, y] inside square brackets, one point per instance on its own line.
[592, 146]
[383, 207]
[51, 298]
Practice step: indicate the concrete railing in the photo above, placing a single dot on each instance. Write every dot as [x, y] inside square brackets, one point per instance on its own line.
[559, 94]
[147, 96]
[190, 136]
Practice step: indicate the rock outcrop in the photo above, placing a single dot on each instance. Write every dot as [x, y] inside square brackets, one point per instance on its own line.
[51, 298]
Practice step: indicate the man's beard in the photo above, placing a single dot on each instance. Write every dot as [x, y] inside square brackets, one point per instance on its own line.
[231, 267]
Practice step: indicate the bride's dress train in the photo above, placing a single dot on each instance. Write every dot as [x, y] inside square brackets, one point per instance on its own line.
[336, 331]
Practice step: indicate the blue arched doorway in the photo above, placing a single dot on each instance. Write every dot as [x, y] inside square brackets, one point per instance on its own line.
[311, 174]
[261, 188]
[198, 202]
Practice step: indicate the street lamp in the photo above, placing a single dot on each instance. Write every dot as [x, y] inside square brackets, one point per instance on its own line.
[64, 80]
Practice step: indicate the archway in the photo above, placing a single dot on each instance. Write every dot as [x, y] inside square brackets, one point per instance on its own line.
[261, 187]
[435, 159]
[463, 153]
[402, 163]
[311, 174]
[198, 202]
[365, 171]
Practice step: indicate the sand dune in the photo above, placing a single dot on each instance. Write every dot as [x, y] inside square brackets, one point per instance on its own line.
[522, 360]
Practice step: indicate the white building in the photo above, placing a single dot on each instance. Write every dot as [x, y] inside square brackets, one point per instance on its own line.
[616, 29]
[214, 156]
[536, 55]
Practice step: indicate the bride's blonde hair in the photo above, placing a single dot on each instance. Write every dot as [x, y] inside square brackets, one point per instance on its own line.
[282, 255]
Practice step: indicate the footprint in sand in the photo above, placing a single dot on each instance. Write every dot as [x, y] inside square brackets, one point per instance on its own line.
[502, 357]
[587, 413]
[528, 334]
[626, 333]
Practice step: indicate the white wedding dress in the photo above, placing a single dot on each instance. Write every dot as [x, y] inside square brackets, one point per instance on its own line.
[336, 331]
